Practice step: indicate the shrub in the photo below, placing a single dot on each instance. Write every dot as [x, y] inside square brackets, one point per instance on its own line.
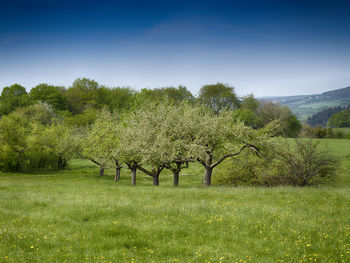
[320, 132]
[301, 165]
[245, 169]
[306, 164]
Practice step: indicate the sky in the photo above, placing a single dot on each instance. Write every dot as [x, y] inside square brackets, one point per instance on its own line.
[264, 47]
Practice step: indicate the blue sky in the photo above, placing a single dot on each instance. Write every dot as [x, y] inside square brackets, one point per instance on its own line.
[262, 47]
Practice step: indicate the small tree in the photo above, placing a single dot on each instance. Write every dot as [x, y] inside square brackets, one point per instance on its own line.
[212, 138]
[100, 144]
[69, 146]
[173, 134]
[145, 141]
[306, 164]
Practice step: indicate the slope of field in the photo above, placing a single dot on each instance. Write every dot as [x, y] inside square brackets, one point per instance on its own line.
[76, 216]
[306, 105]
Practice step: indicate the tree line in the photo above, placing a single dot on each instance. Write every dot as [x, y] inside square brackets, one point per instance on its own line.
[84, 98]
[336, 117]
[147, 130]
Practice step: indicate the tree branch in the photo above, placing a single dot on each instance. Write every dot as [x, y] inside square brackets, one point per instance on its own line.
[95, 162]
[131, 165]
[252, 147]
[201, 161]
[144, 170]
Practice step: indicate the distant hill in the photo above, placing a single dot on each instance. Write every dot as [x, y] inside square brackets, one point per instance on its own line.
[304, 106]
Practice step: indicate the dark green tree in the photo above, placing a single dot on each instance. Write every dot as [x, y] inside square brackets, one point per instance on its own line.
[53, 95]
[341, 119]
[13, 97]
[82, 95]
[117, 98]
[163, 95]
[249, 102]
[219, 96]
[290, 126]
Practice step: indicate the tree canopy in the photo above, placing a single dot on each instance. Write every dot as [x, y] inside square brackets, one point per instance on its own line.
[219, 96]
[341, 119]
[13, 97]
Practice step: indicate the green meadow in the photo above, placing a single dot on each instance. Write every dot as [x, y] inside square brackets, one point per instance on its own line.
[76, 216]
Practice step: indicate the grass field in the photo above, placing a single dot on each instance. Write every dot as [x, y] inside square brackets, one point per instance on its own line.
[76, 216]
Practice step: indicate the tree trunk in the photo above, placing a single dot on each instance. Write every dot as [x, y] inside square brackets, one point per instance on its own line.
[64, 164]
[156, 179]
[207, 175]
[133, 176]
[102, 170]
[176, 178]
[117, 174]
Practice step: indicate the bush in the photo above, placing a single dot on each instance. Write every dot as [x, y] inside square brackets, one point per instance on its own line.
[26, 146]
[245, 169]
[320, 132]
[306, 165]
[301, 165]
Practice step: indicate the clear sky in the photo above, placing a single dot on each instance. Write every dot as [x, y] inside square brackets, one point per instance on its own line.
[269, 48]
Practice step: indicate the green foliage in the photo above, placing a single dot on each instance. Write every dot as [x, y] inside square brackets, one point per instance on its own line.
[167, 95]
[40, 112]
[218, 97]
[248, 117]
[245, 169]
[69, 145]
[101, 142]
[293, 127]
[304, 164]
[144, 138]
[13, 134]
[53, 95]
[117, 99]
[320, 132]
[84, 119]
[27, 144]
[13, 97]
[42, 145]
[321, 117]
[289, 124]
[249, 102]
[82, 95]
[172, 94]
[341, 119]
